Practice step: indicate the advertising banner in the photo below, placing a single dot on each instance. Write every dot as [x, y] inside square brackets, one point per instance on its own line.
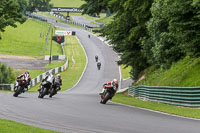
[65, 9]
[64, 33]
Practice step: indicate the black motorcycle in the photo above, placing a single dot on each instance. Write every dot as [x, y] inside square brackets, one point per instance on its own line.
[96, 58]
[108, 94]
[44, 89]
[18, 89]
[55, 88]
[99, 65]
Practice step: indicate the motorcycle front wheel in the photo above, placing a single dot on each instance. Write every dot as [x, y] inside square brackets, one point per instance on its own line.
[42, 93]
[18, 91]
[106, 98]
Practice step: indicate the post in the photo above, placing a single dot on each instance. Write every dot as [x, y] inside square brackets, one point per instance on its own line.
[51, 45]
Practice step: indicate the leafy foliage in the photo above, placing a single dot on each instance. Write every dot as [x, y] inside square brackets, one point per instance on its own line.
[92, 7]
[127, 31]
[153, 32]
[39, 4]
[6, 75]
[10, 13]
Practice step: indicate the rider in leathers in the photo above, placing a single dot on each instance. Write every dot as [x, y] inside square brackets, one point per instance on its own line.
[57, 81]
[26, 77]
[113, 83]
[49, 79]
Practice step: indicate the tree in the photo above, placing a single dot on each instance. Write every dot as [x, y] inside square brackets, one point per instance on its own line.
[162, 45]
[6, 75]
[10, 14]
[185, 24]
[127, 31]
[173, 30]
[43, 5]
[148, 32]
[22, 6]
[94, 6]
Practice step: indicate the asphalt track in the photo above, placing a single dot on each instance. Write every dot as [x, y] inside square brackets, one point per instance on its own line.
[79, 111]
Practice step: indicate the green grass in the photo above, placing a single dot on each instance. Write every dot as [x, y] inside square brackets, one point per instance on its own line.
[171, 109]
[7, 126]
[125, 72]
[74, 70]
[46, 14]
[55, 64]
[26, 40]
[67, 3]
[183, 73]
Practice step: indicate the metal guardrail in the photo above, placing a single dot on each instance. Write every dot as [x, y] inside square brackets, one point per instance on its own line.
[6, 87]
[181, 96]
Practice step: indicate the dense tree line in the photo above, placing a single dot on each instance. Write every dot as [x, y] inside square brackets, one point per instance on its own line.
[151, 32]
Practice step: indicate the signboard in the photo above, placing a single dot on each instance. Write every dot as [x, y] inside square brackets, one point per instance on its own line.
[65, 9]
[64, 33]
[58, 39]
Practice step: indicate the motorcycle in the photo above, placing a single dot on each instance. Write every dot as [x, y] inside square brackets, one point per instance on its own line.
[98, 65]
[54, 89]
[44, 89]
[96, 58]
[108, 94]
[19, 87]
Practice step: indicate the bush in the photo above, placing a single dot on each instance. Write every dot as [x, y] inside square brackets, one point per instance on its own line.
[6, 75]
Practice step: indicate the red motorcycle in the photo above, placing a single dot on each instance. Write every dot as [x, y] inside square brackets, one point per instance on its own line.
[19, 87]
[108, 93]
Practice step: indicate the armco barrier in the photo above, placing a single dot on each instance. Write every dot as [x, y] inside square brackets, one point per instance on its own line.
[6, 87]
[77, 23]
[53, 71]
[181, 96]
[54, 57]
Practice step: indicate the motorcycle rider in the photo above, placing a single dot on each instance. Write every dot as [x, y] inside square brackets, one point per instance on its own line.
[57, 81]
[98, 64]
[113, 83]
[26, 77]
[49, 79]
[96, 58]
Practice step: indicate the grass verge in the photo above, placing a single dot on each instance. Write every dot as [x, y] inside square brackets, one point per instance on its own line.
[7, 126]
[183, 73]
[125, 72]
[170, 109]
[28, 39]
[76, 65]
[67, 3]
